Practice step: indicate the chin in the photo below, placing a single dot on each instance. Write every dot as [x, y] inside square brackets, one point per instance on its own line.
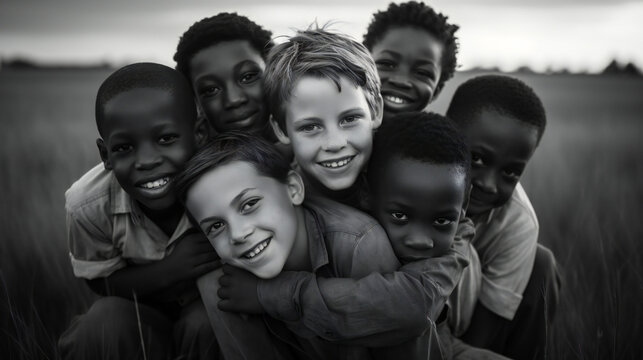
[268, 272]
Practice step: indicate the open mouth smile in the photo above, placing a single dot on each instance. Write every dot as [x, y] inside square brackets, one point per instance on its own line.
[338, 163]
[396, 99]
[155, 184]
[256, 250]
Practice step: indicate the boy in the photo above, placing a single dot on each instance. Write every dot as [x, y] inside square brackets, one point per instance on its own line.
[223, 56]
[128, 235]
[504, 120]
[324, 97]
[242, 194]
[415, 51]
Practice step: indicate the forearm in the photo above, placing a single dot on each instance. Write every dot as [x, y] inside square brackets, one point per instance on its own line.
[377, 310]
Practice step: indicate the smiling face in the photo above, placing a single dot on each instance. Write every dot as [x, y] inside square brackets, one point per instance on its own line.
[147, 139]
[331, 132]
[500, 146]
[408, 61]
[249, 218]
[419, 205]
[227, 80]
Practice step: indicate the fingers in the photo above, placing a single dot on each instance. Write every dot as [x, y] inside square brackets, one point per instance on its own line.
[226, 305]
[206, 268]
[229, 269]
[223, 293]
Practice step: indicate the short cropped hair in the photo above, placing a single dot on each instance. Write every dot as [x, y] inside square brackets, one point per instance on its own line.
[501, 93]
[421, 16]
[419, 136]
[320, 53]
[145, 75]
[232, 146]
[219, 28]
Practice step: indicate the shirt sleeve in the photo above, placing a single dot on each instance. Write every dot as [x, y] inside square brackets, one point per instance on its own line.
[92, 252]
[507, 264]
[379, 309]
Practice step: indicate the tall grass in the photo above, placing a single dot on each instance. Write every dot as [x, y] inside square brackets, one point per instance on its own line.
[584, 182]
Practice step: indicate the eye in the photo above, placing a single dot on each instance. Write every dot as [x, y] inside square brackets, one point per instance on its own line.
[249, 77]
[476, 160]
[347, 120]
[168, 139]
[442, 222]
[512, 174]
[214, 228]
[249, 205]
[209, 90]
[385, 65]
[308, 128]
[399, 216]
[425, 74]
[122, 148]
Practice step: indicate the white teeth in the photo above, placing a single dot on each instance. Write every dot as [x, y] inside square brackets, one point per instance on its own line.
[257, 250]
[156, 183]
[336, 164]
[395, 99]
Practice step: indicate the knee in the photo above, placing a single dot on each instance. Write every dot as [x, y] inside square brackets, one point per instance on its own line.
[194, 321]
[545, 270]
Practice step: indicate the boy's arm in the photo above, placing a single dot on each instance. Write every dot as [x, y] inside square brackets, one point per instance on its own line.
[376, 310]
[95, 258]
[192, 257]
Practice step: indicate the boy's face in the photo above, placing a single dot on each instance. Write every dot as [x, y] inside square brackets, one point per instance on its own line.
[500, 146]
[331, 132]
[147, 138]
[227, 80]
[419, 205]
[248, 217]
[408, 61]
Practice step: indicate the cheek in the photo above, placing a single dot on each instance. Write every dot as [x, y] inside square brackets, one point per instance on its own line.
[304, 148]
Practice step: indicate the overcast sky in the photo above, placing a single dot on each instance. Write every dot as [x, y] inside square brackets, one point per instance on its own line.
[575, 34]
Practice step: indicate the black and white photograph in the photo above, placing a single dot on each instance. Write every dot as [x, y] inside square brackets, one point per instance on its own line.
[241, 180]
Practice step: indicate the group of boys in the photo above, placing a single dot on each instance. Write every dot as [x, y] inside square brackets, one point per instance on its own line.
[308, 206]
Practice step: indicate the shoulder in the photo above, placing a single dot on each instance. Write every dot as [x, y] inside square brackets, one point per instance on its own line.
[92, 189]
[519, 210]
[337, 217]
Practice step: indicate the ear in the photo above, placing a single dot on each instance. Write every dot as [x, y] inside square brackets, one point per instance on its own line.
[201, 131]
[379, 112]
[281, 136]
[104, 154]
[296, 189]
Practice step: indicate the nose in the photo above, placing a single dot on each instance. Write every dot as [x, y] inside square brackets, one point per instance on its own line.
[147, 157]
[334, 141]
[234, 96]
[419, 239]
[486, 181]
[240, 230]
[400, 81]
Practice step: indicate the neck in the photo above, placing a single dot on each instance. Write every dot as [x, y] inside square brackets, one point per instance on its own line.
[299, 259]
[166, 219]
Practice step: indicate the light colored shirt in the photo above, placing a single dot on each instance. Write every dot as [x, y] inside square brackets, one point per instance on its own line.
[464, 297]
[106, 229]
[506, 240]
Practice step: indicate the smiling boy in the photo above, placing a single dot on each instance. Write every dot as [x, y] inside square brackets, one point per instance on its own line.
[323, 92]
[415, 50]
[223, 56]
[241, 192]
[128, 234]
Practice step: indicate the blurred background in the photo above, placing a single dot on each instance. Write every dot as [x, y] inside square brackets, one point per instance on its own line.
[581, 57]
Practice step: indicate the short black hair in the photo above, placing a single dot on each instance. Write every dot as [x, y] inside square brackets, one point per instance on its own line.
[231, 146]
[218, 28]
[419, 15]
[420, 136]
[504, 94]
[145, 75]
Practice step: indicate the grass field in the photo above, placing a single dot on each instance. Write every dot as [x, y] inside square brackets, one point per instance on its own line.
[584, 182]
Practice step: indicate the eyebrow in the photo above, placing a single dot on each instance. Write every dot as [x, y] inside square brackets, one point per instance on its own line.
[233, 201]
[237, 198]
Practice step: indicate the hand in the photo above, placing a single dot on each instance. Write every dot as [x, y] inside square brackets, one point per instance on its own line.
[193, 256]
[238, 291]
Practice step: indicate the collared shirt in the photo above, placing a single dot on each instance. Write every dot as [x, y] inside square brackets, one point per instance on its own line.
[383, 308]
[506, 241]
[106, 230]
